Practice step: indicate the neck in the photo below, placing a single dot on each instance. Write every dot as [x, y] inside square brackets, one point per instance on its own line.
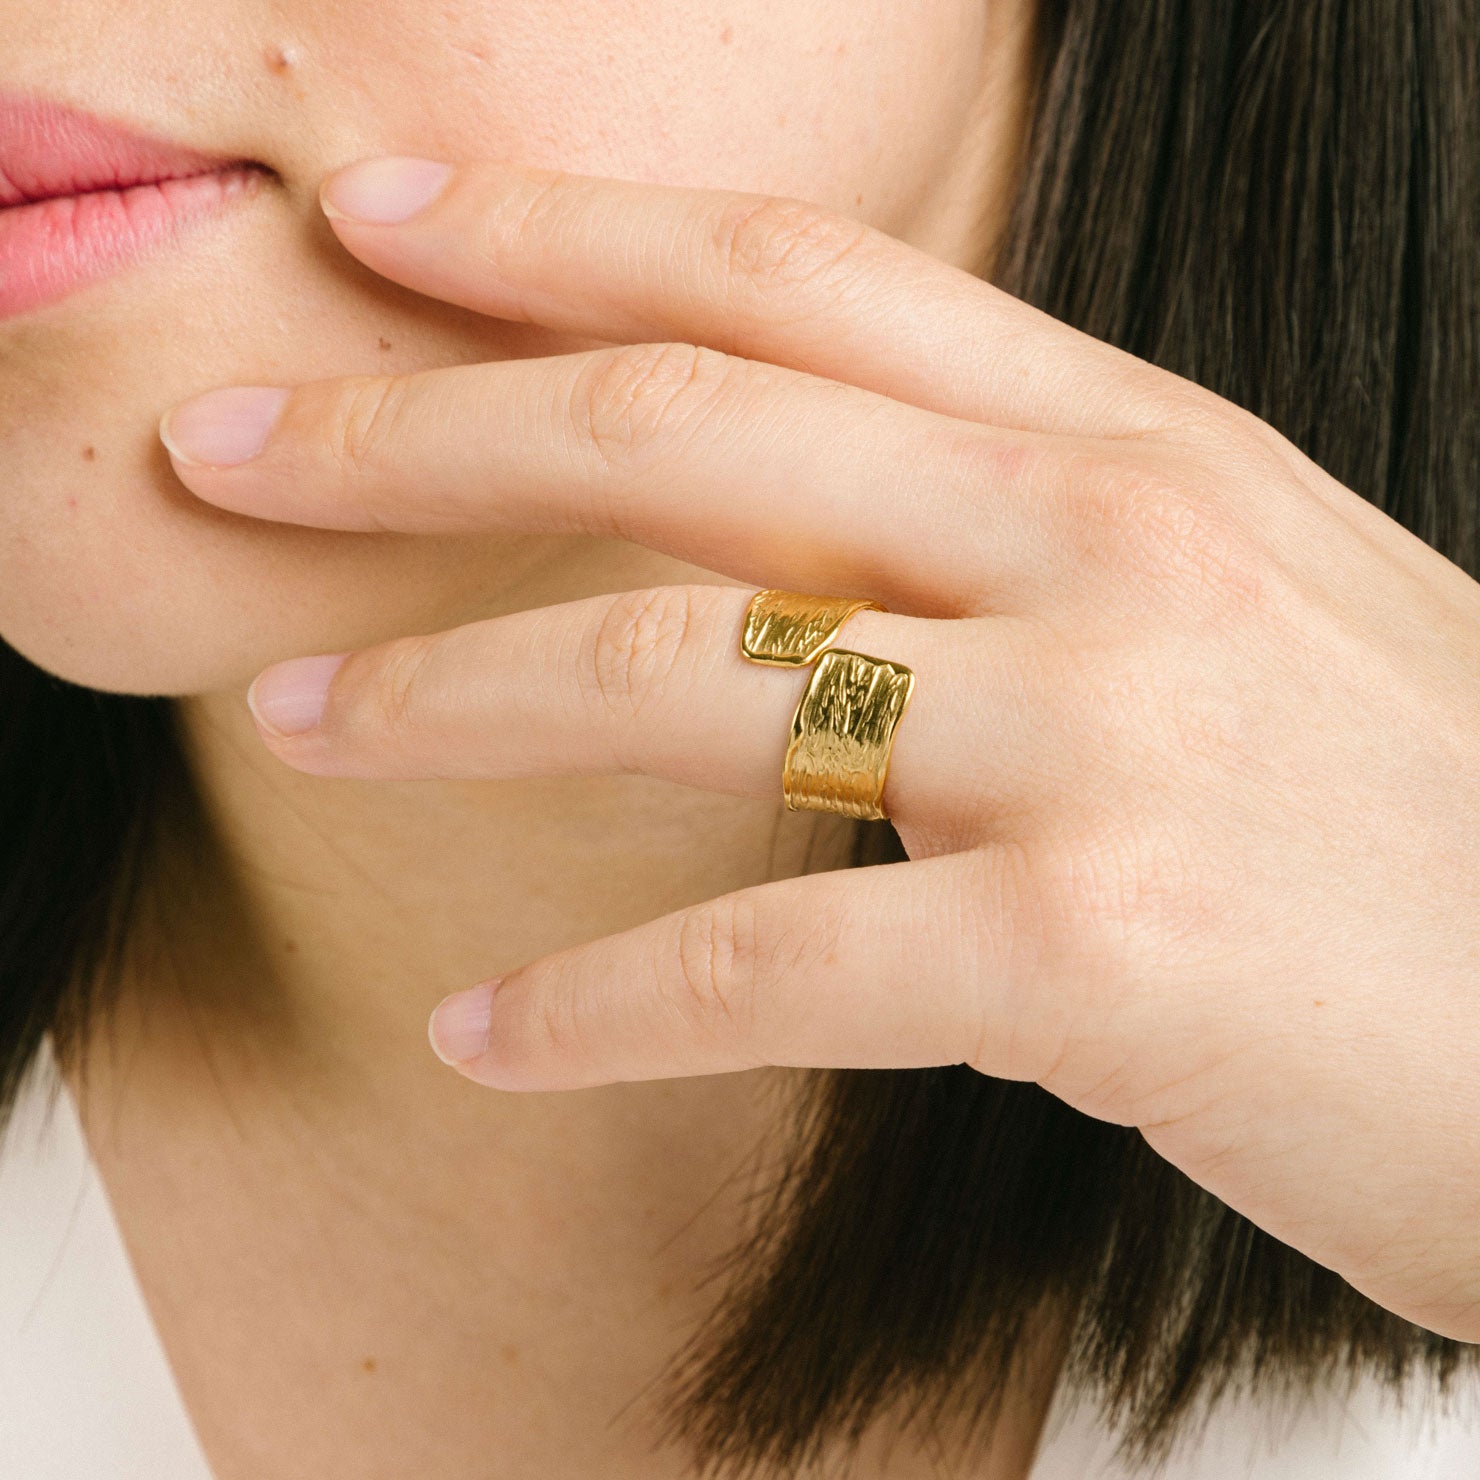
[268, 1114]
[295, 956]
[271, 1027]
[270, 1117]
[325, 917]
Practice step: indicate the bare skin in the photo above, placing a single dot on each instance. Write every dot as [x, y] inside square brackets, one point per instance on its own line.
[361, 1265]
[1189, 791]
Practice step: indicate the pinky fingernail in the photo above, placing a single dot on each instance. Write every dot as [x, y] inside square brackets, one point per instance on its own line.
[458, 1029]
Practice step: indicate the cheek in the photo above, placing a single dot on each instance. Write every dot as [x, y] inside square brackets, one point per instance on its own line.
[111, 573]
[856, 106]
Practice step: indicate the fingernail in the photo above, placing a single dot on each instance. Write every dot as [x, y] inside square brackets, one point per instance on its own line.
[223, 428]
[383, 192]
[288, 698]
[458, 1029]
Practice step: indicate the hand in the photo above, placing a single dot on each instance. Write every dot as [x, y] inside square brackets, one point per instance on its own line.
[1190, 783]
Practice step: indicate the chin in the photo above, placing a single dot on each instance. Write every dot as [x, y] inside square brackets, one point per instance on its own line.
[113, 577]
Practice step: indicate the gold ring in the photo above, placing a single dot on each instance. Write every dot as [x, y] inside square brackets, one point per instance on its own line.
[842, 733]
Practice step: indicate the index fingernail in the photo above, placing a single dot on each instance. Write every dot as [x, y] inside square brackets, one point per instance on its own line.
[383, 192]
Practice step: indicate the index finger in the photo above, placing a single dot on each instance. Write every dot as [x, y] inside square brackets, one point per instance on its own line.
[763, 277]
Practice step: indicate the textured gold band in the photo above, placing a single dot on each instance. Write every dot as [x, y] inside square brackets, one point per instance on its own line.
[790, 629]
[843, 730]
[842, 733]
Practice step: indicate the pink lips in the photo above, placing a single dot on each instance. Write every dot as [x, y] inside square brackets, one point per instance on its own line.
[80, 198]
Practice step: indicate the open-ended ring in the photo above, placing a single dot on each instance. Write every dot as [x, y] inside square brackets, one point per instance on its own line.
[842, 733]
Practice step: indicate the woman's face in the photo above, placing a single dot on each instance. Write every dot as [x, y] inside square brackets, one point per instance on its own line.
[110, 573]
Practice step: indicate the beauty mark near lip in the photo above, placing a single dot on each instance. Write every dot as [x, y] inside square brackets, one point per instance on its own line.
[80, 198]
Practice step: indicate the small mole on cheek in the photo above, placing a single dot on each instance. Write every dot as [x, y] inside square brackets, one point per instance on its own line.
[385, 344]
[89, 454]
[368, 1365]
[858, 200]
[280, 59]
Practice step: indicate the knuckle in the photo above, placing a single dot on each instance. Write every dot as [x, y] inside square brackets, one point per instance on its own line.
[1013, 896]
[715, 960]
[1119, 905]
[781, 243]
[556, 1033]
[1079, 998]
[635, 647]
[364, 419]
[364, 427]
[1086, 911]
[1158, 532]
[639, 397]
[398, 690]
[503, 222]
[1191, 413]
[1206, 423]
[525, 220]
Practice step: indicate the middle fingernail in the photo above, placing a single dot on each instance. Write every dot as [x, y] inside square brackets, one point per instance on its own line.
[223, 428]
[289, 697]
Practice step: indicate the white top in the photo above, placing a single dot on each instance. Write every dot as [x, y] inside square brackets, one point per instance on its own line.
[86, 1392]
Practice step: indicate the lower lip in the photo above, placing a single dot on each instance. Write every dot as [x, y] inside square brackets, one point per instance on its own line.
[50, 248]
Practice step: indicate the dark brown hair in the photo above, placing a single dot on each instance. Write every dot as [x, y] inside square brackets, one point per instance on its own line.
[1277, 200]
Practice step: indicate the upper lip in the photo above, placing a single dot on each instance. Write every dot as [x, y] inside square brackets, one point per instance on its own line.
[48, 150]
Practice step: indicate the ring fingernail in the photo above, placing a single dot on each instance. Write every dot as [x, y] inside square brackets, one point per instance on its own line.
[223, 428]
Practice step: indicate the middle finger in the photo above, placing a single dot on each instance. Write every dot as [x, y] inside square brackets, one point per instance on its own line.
[761, 472]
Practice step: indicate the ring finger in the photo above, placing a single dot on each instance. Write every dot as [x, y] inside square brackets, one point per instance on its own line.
[653, 681]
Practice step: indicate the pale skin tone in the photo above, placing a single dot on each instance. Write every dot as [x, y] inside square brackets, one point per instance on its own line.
[1188, 786]
[361, 1264]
